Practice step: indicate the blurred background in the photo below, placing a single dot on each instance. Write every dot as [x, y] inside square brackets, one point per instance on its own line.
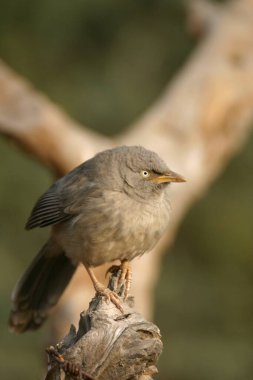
[105, 62]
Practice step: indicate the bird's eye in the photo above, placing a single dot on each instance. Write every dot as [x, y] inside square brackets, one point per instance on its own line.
[145, 173]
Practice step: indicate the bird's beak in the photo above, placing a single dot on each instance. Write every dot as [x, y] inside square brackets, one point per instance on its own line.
[168, 177]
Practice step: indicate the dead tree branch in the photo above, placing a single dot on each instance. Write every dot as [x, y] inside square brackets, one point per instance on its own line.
[108, 344]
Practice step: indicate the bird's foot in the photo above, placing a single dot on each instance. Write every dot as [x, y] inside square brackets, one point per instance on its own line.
[110, 295]
[125, 275]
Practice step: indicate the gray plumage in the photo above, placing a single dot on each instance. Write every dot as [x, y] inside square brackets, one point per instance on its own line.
[113, 206]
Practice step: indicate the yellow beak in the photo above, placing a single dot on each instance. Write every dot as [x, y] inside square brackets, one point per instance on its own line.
[168, 177]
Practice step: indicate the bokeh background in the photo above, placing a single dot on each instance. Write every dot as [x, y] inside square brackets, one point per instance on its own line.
[105, 62]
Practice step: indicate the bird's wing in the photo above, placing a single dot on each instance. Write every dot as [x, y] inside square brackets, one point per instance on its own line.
[48, 210]
[62, 201]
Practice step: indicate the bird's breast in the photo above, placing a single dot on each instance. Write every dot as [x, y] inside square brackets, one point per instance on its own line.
[115, 226]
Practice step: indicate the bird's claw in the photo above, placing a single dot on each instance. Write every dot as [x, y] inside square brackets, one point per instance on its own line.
[125, 276]
[110, 295]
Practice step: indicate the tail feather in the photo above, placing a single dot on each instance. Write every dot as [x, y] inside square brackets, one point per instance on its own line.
[39, 288]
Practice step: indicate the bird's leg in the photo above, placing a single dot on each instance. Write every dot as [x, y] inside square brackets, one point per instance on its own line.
[125, 275]
[103, 290]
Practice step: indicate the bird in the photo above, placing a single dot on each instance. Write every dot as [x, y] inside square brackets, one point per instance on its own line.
[114, 206]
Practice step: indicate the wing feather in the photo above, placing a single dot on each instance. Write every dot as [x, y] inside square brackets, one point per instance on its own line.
[48, 210]
[64, 199]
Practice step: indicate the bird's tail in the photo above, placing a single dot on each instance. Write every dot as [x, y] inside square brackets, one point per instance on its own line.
[39, 288]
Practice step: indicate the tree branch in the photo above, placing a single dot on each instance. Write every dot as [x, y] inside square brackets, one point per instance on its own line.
[42, 128]
[124, 346]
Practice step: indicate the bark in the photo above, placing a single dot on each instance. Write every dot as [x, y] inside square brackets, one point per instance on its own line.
[124, 345]
[198, 124]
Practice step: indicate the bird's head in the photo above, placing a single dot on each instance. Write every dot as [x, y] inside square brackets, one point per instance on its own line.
[135, 170]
